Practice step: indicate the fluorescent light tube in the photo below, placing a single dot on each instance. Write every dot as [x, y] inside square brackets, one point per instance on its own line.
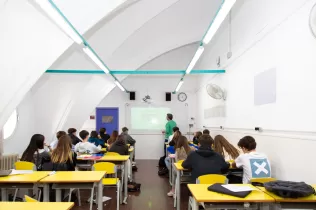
[95, 59]
[179, 86]
[219, 18]
[58, 18]
[195, 59]
[119, 85]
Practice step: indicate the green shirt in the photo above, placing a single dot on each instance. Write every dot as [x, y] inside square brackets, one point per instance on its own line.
[169, 128]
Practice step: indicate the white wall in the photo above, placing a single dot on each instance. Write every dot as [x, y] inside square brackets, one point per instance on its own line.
[261, 40]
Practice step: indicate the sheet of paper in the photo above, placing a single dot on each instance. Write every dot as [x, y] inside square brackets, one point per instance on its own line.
[16, 172]
[237, 188]
[106, 198]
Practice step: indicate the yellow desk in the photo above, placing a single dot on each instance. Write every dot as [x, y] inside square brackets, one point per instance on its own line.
[292, 203]
[103, 150]
[26, 181]
[200, 193]
[36, 205]
[74, 179]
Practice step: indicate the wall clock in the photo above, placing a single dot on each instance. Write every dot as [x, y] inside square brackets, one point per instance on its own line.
[312, 20]
[182, 97]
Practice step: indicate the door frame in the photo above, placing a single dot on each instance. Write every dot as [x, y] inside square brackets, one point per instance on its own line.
[118, 116]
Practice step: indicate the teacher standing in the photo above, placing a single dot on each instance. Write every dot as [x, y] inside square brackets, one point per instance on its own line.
[169, 129]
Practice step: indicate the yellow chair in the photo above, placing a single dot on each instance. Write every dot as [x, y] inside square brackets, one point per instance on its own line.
[211, 179]
[110, 169]
[112, 153]
[29, 199]
[24, 165]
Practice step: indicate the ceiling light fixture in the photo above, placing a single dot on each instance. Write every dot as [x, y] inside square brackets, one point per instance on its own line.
[195, 59]
[179, 85]
[95, 59]
[118, 84]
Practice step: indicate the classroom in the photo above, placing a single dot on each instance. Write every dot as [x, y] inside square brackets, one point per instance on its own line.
[157, 104]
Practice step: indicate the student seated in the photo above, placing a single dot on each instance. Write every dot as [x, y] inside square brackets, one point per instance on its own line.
[254, 164]
[174, 129]
[72, 134]
[196, 137]
[40, 156]
[85, 146]
[94, 139]
[206, 132]
[175, 138]
[113, 138]
[104, 136]
[204, 160]
[53, 145]
[182, 149]
[127, 138]
[224, 148]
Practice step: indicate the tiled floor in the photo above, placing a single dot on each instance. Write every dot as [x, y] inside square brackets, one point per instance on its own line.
[153, 195]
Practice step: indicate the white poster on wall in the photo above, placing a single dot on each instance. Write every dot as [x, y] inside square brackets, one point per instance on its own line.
[265, 87]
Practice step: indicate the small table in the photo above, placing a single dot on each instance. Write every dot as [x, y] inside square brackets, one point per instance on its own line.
[74, 179]
[200, 193]
[26, 181]
[36, 205]
[292, 203]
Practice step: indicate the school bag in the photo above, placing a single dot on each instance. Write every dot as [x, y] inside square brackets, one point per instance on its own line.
[288, 189]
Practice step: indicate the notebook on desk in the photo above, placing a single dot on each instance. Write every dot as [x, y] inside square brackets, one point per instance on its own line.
[219, 188]
[5, 172]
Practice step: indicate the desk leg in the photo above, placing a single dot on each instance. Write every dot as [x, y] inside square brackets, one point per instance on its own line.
[125, 182]
[58, 195]
[4, 194]
[178, 194]
[195, 205]
[100, 195]
[46, 193]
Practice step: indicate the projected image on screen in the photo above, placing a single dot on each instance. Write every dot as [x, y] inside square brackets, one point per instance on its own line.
[149, 118]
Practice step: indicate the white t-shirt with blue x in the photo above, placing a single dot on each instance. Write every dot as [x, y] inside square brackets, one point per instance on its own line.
[255, 165]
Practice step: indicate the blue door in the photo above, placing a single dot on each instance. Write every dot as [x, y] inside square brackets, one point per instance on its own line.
[107, 118]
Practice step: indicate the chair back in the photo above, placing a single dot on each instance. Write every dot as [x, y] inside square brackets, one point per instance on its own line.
[109, 168]
[211, 179]
[112, 153]
[180, 161]
[29, 199]
[262, 180]
[24, 165]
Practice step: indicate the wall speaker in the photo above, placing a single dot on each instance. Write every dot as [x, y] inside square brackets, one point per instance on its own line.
[132, 96]
[168, 96]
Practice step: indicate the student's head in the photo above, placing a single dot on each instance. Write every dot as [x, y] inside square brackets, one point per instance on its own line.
[102, 130]
[221, 145]
[169, 116]
[60, 134]
[63, 152]
[206, 141]
[94, 134]
[175, 129]
[125, 130]
[114, 135]
[206, 132]
[198, 134]
[32, 147]
[120, 139]
[183, 142]
[84, 135]
[247, 144]
[176, 136]
[72, 131]
[40, 143]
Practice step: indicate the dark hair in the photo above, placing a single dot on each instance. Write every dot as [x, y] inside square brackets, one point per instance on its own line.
[175, 129]
[206, 140]
[32, 147]
[124, 129]
[83, 134]
[72, 130]
[198, 134]
[221, 144]
[102, 130]
[60, 134]
[176, 136]
[206, 131]
[121, 139]
[183, 142]
[169, 116]
[247, 142]
[94, 134]
[40, 143]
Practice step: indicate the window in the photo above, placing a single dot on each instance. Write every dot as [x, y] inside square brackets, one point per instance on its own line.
[10, 125]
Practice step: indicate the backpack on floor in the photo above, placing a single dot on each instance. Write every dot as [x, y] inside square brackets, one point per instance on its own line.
[287, 189]
[161, 162]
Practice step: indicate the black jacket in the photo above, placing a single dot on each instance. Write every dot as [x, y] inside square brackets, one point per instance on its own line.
[68, 166]
[119, 147]
[204, 161]
[75, 139]
[105, 137]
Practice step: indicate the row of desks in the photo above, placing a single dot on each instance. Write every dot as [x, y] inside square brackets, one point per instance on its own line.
[259, 198]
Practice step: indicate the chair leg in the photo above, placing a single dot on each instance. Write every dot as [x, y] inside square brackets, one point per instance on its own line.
[118, 196]
[190, 203]
[15, 194]
[91, 198]
[39, 195]
[175, 195]
[69, 196]
[79, 199]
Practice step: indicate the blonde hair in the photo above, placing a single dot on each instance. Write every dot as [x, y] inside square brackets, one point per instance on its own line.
[63, 152]
[221, 144]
